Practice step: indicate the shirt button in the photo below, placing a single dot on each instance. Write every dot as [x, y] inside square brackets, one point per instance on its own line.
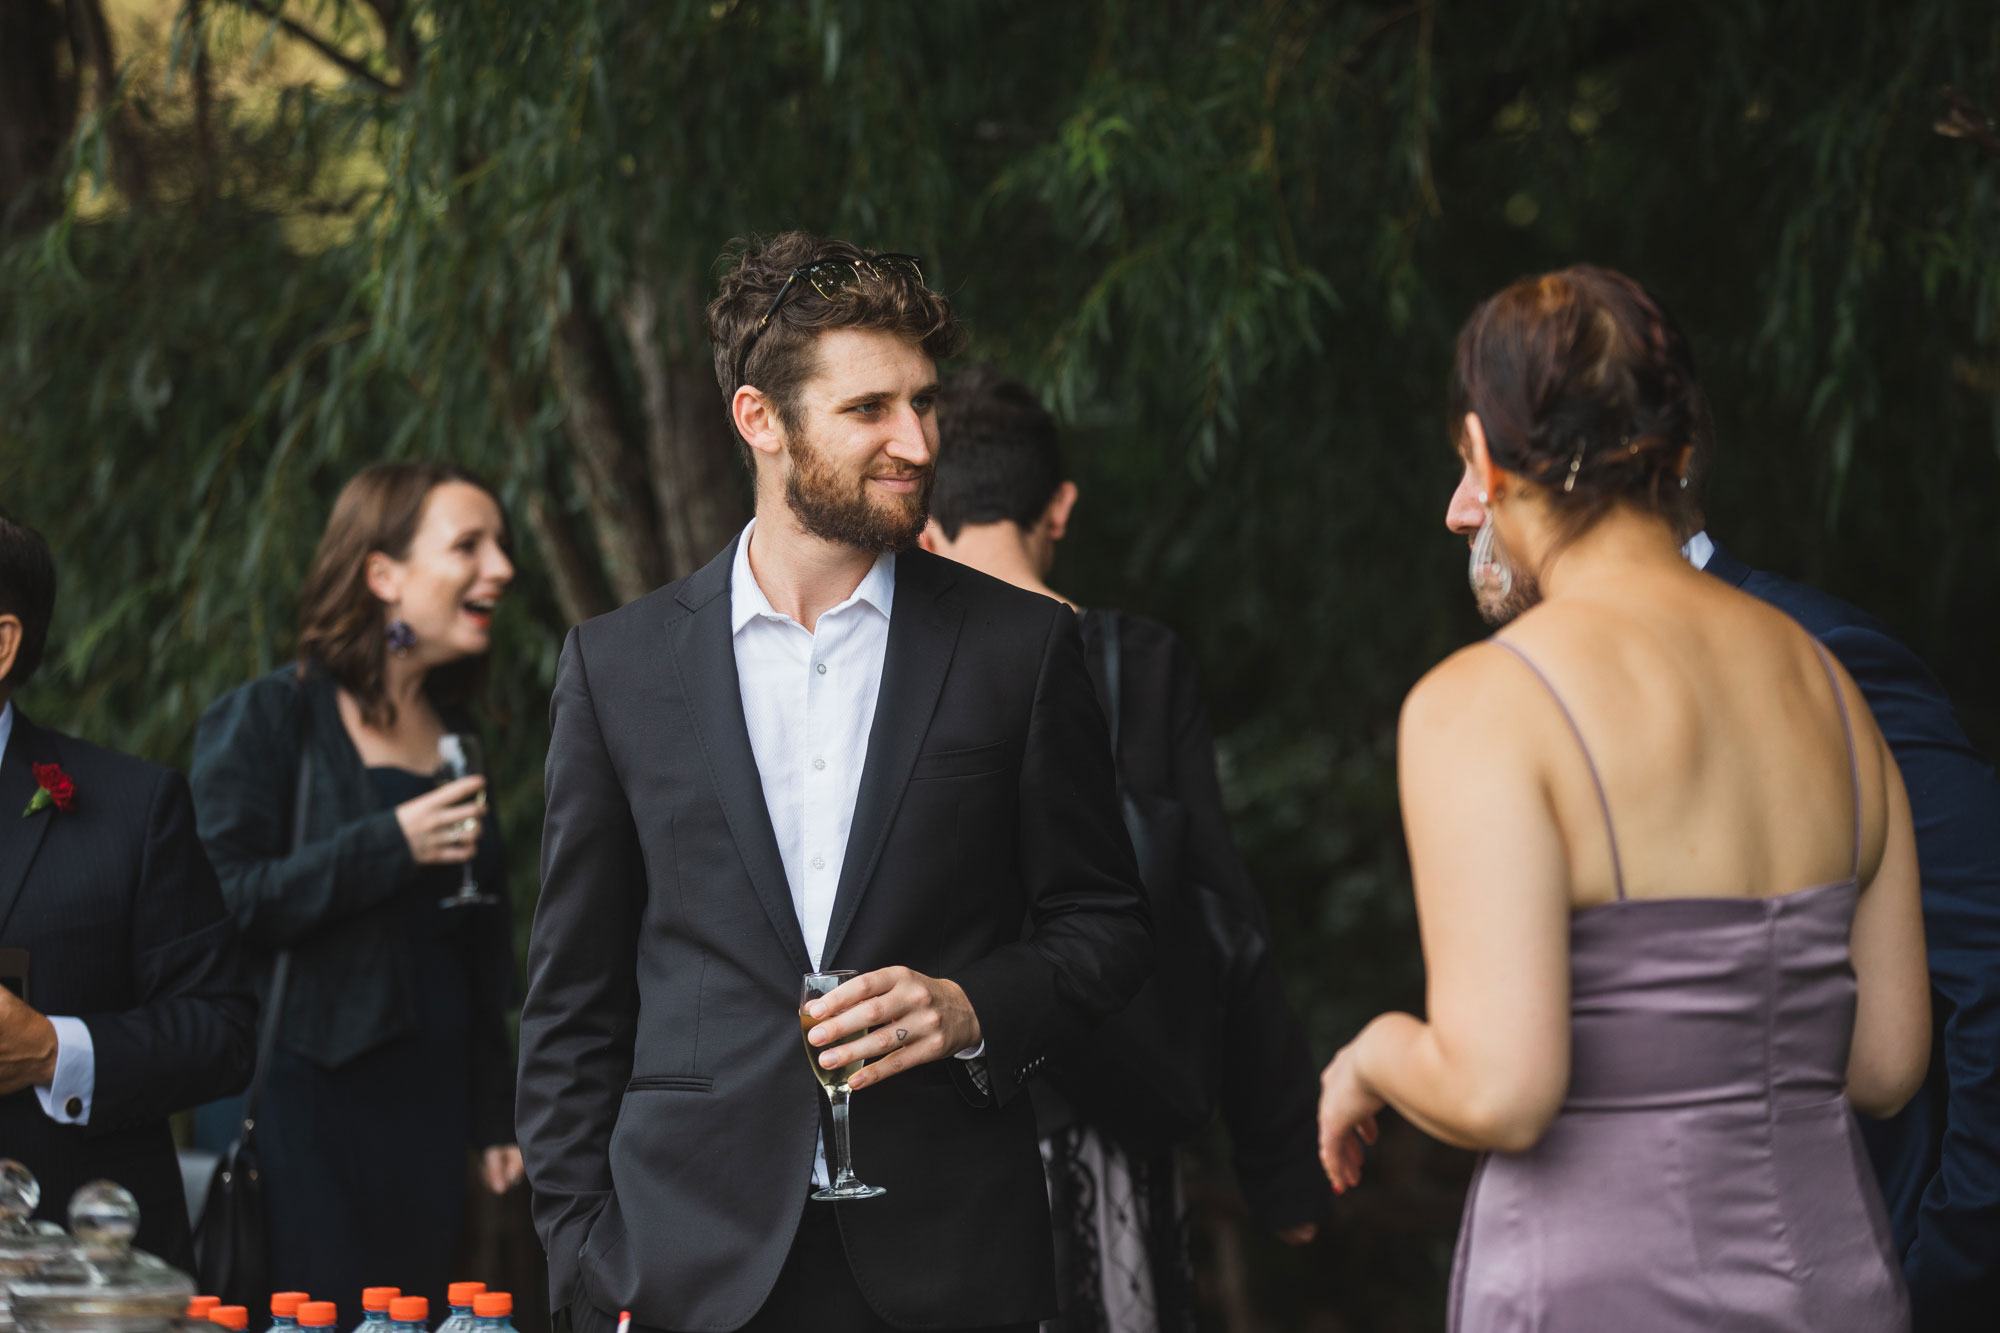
[819, 863]
[818, 763]
[73, 1107]
[820, 667]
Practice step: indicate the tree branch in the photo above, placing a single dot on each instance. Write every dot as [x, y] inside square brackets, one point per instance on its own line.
[326, 49]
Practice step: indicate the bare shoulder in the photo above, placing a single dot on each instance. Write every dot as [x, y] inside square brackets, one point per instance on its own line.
[1467, 686]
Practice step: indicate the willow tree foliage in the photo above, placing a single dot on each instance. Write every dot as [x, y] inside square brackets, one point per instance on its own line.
[246, 248]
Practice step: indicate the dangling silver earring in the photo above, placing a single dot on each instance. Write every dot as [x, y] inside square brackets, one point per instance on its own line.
[1487, 572]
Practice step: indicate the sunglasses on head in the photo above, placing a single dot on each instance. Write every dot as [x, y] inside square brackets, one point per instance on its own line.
[834, 280]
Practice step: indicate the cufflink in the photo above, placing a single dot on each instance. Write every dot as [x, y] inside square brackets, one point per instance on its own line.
[73, 1107]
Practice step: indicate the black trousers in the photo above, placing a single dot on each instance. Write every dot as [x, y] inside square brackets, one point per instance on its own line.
[815, 1293]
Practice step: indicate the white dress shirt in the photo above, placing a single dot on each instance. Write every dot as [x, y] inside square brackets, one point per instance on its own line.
[66, 1096]
[1698, 549]
[809, 702]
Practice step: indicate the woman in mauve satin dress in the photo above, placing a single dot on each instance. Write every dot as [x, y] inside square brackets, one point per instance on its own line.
[1665, 877]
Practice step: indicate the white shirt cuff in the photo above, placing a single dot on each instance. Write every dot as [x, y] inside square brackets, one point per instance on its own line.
[67, 1097]
[972, 1052]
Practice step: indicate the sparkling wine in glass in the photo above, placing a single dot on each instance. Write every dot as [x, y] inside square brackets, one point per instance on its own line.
[460, 755]
[834, 1081]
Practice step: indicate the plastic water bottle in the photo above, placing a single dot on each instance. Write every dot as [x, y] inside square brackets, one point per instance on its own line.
[316, 1315]
[199, 1306]
[285, 1310]
[375, 1309]
[494, 1311]
[409, 1314]
[234, 1317]
[461, 1319]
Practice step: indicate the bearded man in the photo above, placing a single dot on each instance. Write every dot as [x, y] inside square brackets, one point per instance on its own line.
[826, 750]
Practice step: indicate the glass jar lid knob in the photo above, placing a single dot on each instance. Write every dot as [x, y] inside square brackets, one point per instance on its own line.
[20, 1194]
[104, 1217]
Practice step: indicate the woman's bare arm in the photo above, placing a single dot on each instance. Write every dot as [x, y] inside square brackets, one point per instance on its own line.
[1491, 1065]
[1892, 1019]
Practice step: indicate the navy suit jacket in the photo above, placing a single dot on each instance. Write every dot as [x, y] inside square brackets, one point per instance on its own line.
[1939, 1160]
[125, 930]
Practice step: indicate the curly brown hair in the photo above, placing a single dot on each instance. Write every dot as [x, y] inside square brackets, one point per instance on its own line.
[783, 359]
[341, 630]
[1585, 385]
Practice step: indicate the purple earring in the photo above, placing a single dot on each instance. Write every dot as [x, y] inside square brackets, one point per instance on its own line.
[401, 638]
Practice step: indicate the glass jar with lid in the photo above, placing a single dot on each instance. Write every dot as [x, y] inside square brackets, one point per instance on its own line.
[26, 1246]
[98, 1282]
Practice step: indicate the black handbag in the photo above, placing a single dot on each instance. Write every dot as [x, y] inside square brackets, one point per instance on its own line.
[233, 1245]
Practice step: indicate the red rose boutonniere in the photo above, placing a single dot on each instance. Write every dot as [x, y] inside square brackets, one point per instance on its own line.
[55, 789]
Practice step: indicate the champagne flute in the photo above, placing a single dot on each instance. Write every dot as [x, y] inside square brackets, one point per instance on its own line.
[844, 1186]
[460, 755]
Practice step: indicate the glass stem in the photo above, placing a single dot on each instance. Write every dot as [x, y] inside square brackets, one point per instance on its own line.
[843, 1152]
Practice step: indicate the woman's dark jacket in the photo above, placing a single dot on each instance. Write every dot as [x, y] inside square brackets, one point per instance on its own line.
[334, 901]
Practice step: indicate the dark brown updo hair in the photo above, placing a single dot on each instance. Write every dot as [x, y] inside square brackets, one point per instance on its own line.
[341, 629]
[1584, 385]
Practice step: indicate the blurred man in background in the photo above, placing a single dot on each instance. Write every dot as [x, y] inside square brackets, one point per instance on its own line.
[1114, 1104]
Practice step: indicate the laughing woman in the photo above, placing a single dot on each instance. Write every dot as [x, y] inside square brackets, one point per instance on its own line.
[391, 1055]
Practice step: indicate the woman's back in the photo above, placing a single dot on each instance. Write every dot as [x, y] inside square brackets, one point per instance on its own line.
[1714, 727]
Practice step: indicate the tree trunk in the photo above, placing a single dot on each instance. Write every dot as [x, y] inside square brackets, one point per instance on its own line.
[90, 39]
[690, 450]
[37, 111]
[612, 474]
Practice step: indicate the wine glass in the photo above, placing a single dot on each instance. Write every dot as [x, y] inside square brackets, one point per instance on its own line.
[460, 755]
[844, 1185]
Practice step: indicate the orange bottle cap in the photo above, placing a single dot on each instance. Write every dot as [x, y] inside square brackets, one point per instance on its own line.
[230, 1316]
[461, 1293]
[378, 1298]
[493, 1304]
[199, 1307]
[410, 1309]
[317, 1314]
[285, 1304]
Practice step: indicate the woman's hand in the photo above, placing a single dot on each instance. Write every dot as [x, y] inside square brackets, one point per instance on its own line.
[442, 826]
[1346, 1120]
[502, 1167]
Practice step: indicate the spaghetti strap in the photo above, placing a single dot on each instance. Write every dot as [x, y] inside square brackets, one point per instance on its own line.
[1853, 762]
[1603, 803]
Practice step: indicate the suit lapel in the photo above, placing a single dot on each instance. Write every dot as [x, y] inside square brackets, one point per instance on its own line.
[21, 837]
[923, 631]
[705, 659]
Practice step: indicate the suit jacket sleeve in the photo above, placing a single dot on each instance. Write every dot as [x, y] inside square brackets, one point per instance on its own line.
[246, 758]
[1089, 942]
[581, 1017]
[1269, 1087]
[1955, 799]
[190, 1035]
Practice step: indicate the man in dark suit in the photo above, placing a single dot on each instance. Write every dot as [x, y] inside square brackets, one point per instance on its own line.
[1936, 1160]
[133, 1006]
[825, 750]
